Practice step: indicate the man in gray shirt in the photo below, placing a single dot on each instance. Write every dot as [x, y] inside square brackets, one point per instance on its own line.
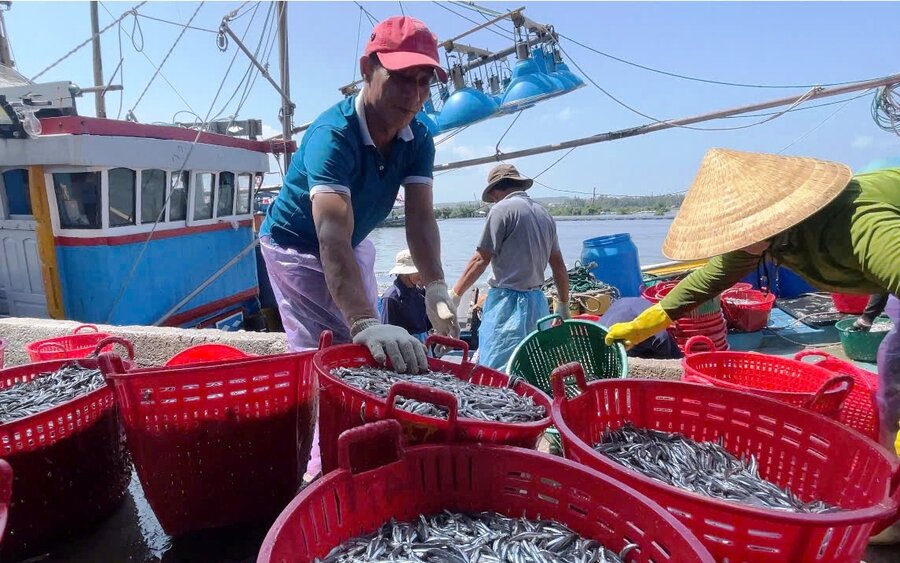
[519, 240]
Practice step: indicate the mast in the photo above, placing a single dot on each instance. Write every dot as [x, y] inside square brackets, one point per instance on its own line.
[817, 93]
[287, 108]
[5, 56]
[99, 99]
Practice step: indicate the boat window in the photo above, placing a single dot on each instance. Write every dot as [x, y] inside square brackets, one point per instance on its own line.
[243, 193]
[203, 194]
[121, 197]
[153, 195]
[78, 199]
[225, 196]
[178, 199]
[18, 197]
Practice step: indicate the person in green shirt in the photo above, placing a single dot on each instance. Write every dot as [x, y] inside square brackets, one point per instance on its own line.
[840, 232]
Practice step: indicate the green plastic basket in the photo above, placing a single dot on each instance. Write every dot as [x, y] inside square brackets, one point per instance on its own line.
[858, 344]
[550, 346]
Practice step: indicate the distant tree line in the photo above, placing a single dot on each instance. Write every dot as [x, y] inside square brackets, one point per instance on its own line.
[601, 205]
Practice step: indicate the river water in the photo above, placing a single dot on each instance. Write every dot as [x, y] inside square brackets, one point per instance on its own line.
[459, 237]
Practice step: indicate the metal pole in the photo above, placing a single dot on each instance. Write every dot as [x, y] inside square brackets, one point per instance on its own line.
[287, 107]
[661, 125]
[262, 70]
[99, 100]
[449, 42]
[5, 55]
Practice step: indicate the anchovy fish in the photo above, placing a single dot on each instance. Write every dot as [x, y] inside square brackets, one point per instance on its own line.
[487, 537]
[47, 390]
[706, 468]
[480, 402]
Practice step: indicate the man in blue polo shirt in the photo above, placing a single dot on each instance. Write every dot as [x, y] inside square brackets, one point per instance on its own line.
[343, 182]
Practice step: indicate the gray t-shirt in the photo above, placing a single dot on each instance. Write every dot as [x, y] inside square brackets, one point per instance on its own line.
[521, 235]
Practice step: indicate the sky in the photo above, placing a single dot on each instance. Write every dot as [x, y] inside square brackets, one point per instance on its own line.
[756, 43]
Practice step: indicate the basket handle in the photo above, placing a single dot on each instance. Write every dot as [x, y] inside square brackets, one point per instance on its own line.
[559, 375]
[113, 340]
[110, 364]
[841, 384]
[383, 430]
[449, 343]
[549, 318]
[699, 340]
[50, 347]
[79, 328]
[326, 337]
[426, 394]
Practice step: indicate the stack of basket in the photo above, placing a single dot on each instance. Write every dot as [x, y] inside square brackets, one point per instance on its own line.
[706, 319]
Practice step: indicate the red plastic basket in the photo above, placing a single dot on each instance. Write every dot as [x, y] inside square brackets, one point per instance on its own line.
[217, 443]
[70, 462]
[427, 479]
[6, 482]
[77, 344]
[789, 381]
[815, 457]
[860, 409]
[343, 406]
[747, 317]
[850, 304]
[211, 352]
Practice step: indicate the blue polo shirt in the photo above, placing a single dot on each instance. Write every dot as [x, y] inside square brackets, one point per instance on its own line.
[337, 155]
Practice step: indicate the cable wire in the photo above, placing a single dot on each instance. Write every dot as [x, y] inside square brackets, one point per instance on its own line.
[195, 28]
[85, 42]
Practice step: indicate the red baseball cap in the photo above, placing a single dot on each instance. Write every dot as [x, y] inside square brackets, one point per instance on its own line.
[403, 42]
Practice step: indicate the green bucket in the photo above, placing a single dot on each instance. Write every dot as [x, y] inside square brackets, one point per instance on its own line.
[551, 346]
[860, 345]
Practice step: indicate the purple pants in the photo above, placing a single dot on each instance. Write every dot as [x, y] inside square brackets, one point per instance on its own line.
[306, 306]
[889, 375]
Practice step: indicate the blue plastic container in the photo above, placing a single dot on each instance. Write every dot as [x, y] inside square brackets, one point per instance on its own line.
[617, 263]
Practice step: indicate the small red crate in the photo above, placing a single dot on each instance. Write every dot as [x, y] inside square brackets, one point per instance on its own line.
[217, 443]
[747, 317]
[812, 455]
[789, 381]
[77, 344]
[342, 406]
[6, 482]
[70, 462]
[850, 304]
[427, 479]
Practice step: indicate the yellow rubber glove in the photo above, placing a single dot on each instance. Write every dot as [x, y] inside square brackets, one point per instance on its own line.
[641, 328]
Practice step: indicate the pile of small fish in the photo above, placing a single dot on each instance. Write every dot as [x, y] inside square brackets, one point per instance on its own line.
[881, 326]
[487, 537]
[481, 402]
[742, 302]
[705, 468]
[47, 391]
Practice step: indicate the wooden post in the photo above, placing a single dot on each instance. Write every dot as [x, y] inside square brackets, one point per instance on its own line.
[40, 208]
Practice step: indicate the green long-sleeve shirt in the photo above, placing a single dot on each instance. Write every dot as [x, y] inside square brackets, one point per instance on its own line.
[852, 245]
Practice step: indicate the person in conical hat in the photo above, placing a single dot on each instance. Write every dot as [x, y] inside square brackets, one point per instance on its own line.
[840, 232]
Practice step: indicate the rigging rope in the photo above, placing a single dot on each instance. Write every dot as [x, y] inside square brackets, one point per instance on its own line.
[86, 41]
[886, 108]
[159, 68]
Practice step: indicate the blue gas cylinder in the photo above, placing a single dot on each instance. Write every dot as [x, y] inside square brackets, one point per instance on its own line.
[613, 259]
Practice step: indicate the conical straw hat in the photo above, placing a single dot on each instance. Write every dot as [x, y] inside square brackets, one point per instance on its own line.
[741, 198]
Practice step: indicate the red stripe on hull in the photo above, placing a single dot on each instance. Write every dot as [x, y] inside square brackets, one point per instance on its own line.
[76, 125]
[203, 310]
[141, 237]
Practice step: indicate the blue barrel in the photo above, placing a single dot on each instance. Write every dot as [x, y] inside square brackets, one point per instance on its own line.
[617, 264]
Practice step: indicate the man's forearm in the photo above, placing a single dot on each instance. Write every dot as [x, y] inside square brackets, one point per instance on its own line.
[561, 279]
[345, 281]
[474, 269]
[424, 240]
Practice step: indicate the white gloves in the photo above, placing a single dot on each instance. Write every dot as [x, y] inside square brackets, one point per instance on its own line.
[441, 309]
[406, 353]
[562, 309]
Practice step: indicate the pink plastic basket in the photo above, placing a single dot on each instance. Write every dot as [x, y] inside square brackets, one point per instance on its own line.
[211, 352]
[470, 478]
[342, 406]
[217, 443]
[78, 344]
[70, 462]
[815, 457]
